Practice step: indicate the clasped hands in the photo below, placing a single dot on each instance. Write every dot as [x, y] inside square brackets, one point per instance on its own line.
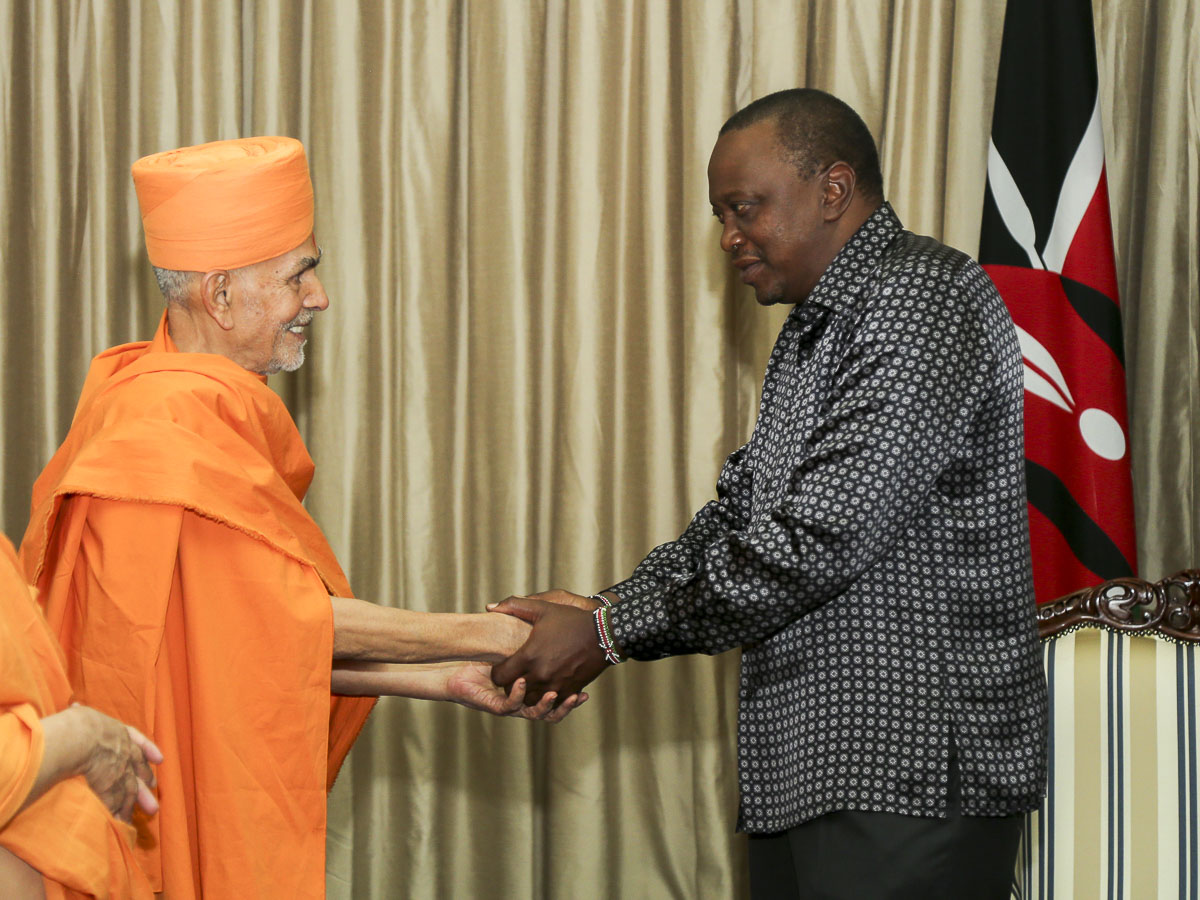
[562, 653]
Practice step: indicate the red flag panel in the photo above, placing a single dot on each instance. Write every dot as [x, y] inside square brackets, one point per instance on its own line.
[1090, 259]
[1080, 434]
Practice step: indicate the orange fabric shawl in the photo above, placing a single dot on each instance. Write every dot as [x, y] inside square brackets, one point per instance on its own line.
[189, 589]
[67, 834]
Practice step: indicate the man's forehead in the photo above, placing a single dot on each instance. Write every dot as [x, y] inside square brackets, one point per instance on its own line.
[287, 265]
[750, 152]
[761, 133]
[307, 254]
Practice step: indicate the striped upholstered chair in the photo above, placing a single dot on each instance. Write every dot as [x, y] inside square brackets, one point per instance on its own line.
[1120, 817]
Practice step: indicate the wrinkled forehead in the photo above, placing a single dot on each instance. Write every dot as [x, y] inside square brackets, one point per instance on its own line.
[285, 266]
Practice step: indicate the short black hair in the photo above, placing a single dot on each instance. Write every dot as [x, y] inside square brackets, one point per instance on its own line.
[816, 129]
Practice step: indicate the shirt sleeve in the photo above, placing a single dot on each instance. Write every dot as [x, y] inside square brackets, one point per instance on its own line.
[678, 559]
[900, 403]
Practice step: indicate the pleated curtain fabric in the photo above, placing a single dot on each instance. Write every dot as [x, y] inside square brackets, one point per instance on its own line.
[536, 357]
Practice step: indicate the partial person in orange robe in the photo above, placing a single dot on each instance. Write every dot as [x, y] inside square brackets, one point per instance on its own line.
[66, 771]
[192, 593]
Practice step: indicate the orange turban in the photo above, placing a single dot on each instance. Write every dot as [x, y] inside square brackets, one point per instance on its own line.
[225, 204]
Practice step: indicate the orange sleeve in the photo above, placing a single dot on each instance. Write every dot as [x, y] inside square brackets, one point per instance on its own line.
[113, 566]
[259, 629]
[66, 834]
[21, 751]
[80, 849]
[23, 689]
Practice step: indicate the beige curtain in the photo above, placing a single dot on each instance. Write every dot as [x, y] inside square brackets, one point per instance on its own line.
[535, 358]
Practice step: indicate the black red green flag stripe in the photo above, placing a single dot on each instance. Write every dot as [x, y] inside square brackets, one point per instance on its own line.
[1047, 244]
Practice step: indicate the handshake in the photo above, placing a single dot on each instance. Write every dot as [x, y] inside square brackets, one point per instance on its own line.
[527, 656]
[566, 645]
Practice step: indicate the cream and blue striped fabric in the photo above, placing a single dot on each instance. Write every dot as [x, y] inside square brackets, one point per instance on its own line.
[1119, 821]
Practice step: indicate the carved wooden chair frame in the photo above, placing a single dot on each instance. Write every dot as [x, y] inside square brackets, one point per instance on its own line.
[1167, 609]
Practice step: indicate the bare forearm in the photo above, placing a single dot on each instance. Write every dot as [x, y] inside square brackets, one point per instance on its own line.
[19, 878]
[380, 679]
[466, 683]
[368, 632]
[67, 744]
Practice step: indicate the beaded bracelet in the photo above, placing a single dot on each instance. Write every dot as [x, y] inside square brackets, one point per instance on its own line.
[601, 599]
[605, 635]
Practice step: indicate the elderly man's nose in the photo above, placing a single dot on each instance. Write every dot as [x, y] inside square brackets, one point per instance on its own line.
[316, 298]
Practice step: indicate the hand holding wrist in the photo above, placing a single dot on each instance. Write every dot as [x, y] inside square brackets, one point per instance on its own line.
[509, 633]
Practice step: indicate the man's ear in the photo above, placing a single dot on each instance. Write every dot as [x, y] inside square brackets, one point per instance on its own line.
[215, 295]
[838, 183]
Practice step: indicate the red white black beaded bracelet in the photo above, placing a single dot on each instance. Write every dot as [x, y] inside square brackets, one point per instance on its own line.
[601, 599]
[605, 634]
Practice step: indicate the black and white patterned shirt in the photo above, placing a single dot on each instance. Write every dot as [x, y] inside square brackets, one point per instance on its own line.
[869, 551]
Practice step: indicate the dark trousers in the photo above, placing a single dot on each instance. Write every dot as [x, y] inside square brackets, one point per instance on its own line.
[882, 856]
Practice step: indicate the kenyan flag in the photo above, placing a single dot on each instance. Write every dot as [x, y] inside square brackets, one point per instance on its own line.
[1047, 244]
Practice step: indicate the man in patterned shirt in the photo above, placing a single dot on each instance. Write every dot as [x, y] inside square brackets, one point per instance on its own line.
[868, 548]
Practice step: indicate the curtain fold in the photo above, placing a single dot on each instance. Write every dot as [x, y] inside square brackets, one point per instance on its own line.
[536, 358]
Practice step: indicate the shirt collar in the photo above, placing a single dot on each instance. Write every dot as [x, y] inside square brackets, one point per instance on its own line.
[857, 261]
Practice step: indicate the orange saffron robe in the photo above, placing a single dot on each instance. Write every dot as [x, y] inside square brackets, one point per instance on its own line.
[67, 834]
[189, 589]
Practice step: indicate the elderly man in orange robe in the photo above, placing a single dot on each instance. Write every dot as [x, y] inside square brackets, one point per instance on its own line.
[64, 769]
[194, 596]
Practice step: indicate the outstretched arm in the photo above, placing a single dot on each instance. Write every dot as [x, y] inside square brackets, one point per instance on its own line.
[887, 440]
[469, 684]
[367, 632]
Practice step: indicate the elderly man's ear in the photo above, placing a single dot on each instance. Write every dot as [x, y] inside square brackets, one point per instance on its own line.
[215, 287]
